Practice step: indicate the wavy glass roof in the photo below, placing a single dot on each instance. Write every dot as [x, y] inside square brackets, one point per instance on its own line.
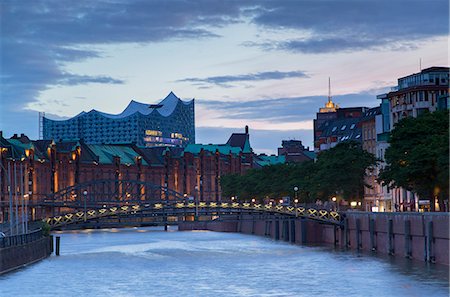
[164, 108]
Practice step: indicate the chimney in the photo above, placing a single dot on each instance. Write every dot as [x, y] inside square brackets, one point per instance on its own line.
[246, 130]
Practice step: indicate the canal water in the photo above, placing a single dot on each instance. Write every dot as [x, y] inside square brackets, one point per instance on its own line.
[151, 262]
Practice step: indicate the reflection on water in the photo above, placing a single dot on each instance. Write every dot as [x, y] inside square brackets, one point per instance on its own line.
[151, 262]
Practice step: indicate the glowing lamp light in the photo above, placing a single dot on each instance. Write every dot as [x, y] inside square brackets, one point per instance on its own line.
[253, 200]
[353, 203]
[296, 201]
[334, 199]
[281, 200]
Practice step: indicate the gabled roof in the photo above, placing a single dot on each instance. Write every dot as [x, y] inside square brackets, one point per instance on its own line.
[67, 146]
[153, 155]
[346, 129]
[240, 140]
[371, 113]
[106, 153]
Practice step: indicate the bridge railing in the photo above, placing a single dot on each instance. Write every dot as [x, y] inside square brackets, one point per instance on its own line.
[174, 208]
[20, 239]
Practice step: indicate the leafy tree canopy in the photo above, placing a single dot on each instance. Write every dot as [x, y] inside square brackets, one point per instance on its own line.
[418, 156]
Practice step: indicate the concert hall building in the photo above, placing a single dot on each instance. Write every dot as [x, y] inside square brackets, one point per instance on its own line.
[168, 123]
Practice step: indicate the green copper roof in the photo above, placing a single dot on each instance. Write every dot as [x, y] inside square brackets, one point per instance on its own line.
[106, 154]
[310, 154]
[270, 160]
[222, 148]
[19, 147]
[247, 148]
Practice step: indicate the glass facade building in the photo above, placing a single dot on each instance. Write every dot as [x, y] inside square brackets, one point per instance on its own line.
[168, 123]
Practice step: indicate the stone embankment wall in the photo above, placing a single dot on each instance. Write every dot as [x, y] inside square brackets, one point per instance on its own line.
[14, 257]
[420, 236]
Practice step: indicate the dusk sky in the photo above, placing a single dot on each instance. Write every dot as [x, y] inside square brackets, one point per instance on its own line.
[264, 64]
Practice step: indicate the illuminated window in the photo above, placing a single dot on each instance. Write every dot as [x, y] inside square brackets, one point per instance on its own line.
[153, 133]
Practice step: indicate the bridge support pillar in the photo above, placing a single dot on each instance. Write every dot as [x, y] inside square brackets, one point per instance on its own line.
[253, 224]
[292, 237]
[390, 232]
[358, 234]
[277, 229]
[373, 245]
[335, 240]
[346, 242]
[304, 229]
[429, 243]
[286, 230]
[408, 253]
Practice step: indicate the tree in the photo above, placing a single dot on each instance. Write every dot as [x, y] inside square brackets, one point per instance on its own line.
[342, 170]
[418, 156]
[339, 170]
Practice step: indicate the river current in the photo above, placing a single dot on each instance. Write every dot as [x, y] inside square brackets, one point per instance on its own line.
[151, 262]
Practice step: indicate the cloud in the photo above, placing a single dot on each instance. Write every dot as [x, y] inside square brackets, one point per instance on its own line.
[293, 109]
[353, 25]
[38, 39]
[72, 79]
[225, 80]
[332, 45]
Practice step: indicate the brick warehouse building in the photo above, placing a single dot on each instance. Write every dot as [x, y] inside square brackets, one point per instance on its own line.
[33, 170]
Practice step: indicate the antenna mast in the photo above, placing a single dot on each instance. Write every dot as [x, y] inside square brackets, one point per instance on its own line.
[329, 89]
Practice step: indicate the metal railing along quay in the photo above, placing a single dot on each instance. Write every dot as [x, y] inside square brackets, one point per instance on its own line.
[21, 239]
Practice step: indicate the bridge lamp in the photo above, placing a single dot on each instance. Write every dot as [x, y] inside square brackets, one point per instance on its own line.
[281, 201]
[333, 199]
[85, 196]
[253, 200]
[295, 204]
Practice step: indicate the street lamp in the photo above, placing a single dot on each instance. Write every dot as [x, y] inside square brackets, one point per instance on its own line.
[334, 199]
[196, 201]
[296, 193]
[85, 196]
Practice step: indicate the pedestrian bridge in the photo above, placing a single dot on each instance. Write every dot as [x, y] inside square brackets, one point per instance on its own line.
[204, 210]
